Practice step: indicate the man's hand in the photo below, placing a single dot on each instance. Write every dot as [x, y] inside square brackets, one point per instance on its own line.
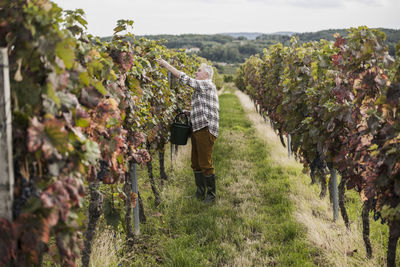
[165, 64]
[162, 62]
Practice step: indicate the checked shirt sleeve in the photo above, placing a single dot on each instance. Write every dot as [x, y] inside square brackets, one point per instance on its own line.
[199, 85]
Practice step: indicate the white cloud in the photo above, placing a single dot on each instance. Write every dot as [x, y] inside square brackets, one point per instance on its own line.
[315, 4]
[215, 16]
[301, 3]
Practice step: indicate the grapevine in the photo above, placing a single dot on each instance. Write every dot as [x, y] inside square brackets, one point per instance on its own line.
[339, 102]
[83, 111]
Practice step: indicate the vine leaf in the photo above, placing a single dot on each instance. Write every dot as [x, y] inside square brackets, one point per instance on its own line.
[66, 51]
[50, 136]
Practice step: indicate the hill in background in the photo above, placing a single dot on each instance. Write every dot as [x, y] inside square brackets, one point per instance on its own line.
[254, 35]
[234, 48]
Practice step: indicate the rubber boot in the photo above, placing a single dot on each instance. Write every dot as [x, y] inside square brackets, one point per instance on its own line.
[200, 184]
[210, 184]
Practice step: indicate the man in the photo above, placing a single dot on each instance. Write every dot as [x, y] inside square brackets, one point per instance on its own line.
[204, 116]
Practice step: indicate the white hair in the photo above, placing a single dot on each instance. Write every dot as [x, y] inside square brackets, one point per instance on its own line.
[208, 69]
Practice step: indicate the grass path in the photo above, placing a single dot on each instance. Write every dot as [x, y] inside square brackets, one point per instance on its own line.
[251, 223]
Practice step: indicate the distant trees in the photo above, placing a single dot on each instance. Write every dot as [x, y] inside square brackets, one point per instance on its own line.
[249, 49]
[276, 38]
[222, 53]
[224, 48]
[191, 40]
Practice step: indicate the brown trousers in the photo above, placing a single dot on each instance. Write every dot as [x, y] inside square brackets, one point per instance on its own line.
[202, 148]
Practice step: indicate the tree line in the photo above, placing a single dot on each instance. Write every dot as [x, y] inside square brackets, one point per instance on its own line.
[229, 49]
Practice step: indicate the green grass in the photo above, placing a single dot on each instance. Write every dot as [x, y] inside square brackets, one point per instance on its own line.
[229, 69]
[251, 223]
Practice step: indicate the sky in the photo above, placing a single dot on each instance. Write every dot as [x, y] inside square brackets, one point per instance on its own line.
[220, 16]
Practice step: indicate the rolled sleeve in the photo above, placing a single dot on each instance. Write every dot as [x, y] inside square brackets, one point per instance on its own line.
[199, 85]
[181, 76]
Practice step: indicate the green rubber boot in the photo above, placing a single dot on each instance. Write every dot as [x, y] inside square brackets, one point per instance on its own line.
[200, 184]
[210, 184]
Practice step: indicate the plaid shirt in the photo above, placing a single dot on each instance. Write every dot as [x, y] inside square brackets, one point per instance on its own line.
[205, 106]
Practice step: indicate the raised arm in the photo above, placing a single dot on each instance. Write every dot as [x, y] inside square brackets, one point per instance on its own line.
[166, 65]
[201, 83]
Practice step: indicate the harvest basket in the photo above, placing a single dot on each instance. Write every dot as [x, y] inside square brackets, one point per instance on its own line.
[180, 131]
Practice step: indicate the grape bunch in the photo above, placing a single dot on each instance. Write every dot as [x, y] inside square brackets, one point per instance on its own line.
[27, 190]
[142, 156]
[138, 139]
[318, 164]
[377, 213]
[126, 60]
[103, 170]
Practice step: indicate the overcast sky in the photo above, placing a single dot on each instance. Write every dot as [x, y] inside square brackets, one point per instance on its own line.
[217, 16]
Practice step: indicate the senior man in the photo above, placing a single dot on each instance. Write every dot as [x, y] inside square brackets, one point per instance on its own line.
[204, 116]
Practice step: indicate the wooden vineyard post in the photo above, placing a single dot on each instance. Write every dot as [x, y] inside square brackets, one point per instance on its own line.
[6, 160]
[289, 145]
[136, 219]
[333, 188]
[172, 153]
[172, 147]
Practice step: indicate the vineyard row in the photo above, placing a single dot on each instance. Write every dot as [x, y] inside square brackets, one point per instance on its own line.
[84, 112]
[339, 102]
